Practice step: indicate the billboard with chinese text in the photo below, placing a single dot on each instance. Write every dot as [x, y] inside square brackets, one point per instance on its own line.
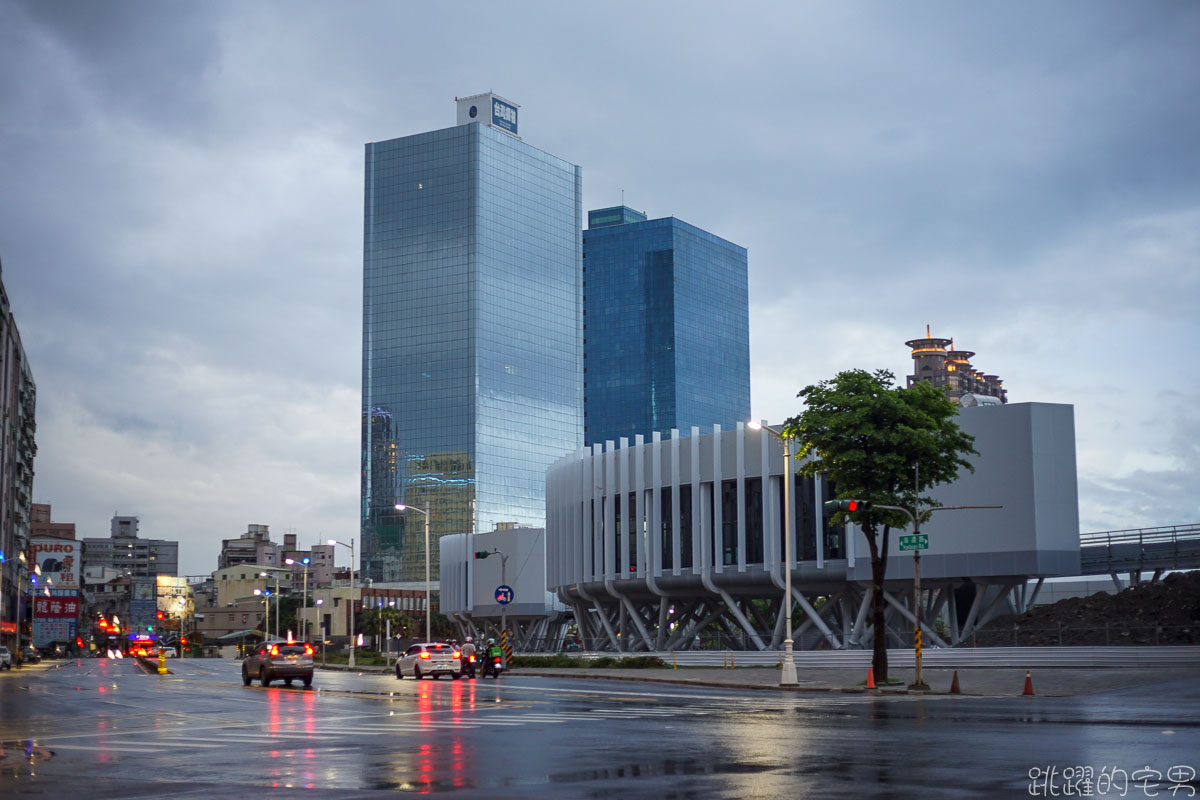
[55, 617]
[58, 560]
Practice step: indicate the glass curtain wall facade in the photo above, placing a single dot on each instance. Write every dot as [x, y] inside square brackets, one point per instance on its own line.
[472, 356]
[666, 327]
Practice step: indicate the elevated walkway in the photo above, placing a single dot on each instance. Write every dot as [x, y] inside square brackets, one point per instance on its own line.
[1139, 550]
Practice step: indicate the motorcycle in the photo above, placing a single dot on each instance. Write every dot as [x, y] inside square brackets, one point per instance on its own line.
[492, 665]
[469, 666]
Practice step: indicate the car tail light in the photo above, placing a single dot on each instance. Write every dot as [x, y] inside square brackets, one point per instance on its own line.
[457, 654]
[274, 650]
[308, 649]
[425, 654]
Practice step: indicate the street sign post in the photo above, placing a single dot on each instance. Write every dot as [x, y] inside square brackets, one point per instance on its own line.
[919, 541]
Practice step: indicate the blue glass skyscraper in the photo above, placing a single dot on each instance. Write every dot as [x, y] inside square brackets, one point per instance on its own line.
[472, 351]
[666, 327]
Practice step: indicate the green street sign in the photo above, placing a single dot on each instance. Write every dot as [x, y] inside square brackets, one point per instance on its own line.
[917, 541]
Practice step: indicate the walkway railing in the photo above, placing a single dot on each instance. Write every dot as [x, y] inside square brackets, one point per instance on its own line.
[1167, 547]
[1166, 533]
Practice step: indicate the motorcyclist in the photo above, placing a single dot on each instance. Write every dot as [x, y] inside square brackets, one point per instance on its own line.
[468, 656]
[492, 658]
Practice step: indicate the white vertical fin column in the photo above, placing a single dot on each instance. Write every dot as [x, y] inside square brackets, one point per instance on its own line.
[741, 496]
[718, 522]
[627, 529]
[675, 559]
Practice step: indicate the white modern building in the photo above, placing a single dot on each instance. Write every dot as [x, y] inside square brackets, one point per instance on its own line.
[471, 587]
[653, 542]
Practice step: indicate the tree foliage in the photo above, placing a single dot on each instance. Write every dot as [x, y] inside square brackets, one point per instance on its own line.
[883, 443]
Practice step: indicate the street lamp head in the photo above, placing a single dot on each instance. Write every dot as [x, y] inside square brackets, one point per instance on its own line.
[320, 601]
[258, 591]
[400, 506]
[289, 561]
[754, 425]
[304, 561]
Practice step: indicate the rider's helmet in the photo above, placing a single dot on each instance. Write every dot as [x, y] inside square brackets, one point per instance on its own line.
[469, 639]
[491, 642]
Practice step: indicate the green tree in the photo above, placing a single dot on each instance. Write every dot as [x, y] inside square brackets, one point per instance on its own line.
[868, 437]
[374, 622]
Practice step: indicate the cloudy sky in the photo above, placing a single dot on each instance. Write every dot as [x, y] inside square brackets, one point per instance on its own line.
[181, 217]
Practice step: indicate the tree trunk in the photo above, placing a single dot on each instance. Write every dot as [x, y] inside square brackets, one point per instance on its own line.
[879, 657]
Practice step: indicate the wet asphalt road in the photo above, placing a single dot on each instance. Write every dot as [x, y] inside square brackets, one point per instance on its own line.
[101, 728]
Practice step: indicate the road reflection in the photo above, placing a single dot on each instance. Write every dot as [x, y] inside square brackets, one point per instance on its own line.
[292, 716]
[443, 758]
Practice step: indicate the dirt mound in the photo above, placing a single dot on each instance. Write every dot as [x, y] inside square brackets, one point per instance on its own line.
[1163, 612]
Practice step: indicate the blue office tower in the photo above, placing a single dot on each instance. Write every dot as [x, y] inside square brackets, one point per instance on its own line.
[472, 353]
[666, 327]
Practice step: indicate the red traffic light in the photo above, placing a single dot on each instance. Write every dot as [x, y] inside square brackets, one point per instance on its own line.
[851, 505]
[183, 640]
[161, 615]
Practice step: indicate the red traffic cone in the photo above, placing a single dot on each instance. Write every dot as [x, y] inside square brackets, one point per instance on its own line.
[870, 677]
[954, 684]
[1028, 685]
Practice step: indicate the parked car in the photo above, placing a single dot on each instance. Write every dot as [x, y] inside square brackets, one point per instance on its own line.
[288, 660]
[5, 658]
[29, 655]
[430, 658]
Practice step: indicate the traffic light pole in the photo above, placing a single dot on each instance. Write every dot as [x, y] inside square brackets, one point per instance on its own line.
[866, 506]
[503, 606]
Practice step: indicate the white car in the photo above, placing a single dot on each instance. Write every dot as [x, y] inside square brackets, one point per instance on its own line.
[5, 658]
[430, 658]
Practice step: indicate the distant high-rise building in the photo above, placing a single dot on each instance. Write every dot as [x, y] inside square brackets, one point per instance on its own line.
[18, 404]
[129, 555]
[666, 327]
[936, 361]
[472, 357]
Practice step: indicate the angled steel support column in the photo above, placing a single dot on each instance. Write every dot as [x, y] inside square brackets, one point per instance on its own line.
[732, 605]
[911, 617]
[815, 618]
[860, 621]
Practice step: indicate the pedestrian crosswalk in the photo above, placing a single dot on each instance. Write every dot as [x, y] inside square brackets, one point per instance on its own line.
[333, 732]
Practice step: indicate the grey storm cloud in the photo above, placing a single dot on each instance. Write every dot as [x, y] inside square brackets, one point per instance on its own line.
[181, 216]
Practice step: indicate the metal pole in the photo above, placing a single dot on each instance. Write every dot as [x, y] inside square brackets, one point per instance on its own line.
[787, 671]
[503, 612]
[428, 607]
[351, 664]
[304, 613]
[276, 602]
[919, 684]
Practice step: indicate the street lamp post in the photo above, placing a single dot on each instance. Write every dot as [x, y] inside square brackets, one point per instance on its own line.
[304, 613]
[428, 607]
[787, 672]
[266, 575]
[351, 546]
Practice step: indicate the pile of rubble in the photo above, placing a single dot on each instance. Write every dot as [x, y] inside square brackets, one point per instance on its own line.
[1163, 612]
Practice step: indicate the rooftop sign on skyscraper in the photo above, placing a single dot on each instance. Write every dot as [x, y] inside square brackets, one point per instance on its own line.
[490, 109]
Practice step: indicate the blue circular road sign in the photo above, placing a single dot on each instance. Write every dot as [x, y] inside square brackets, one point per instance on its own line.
[504, 594]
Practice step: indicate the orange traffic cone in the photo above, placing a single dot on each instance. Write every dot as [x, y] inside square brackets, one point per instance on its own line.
[1028, 685]
[954, 684]
[870, 677]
